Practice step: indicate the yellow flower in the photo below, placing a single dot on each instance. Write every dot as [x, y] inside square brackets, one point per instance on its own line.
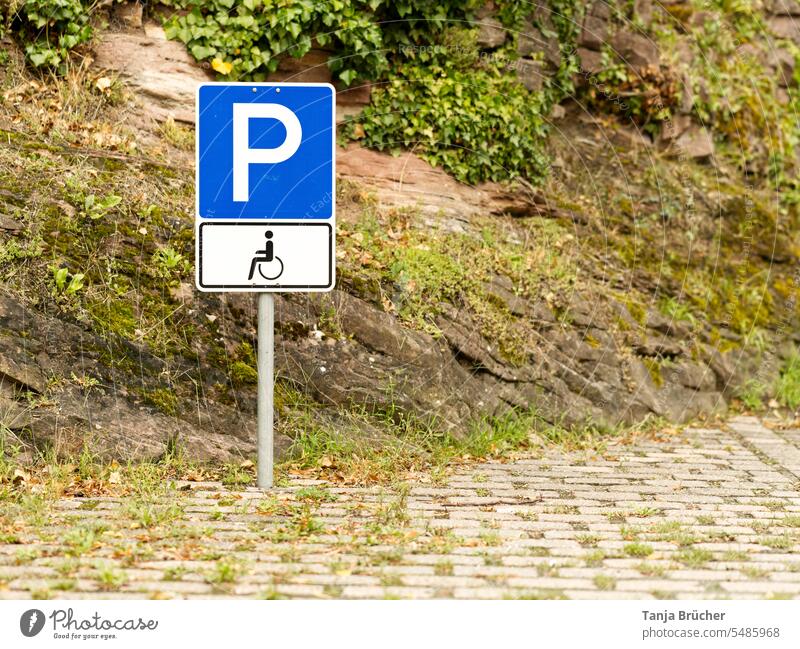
[223, 67]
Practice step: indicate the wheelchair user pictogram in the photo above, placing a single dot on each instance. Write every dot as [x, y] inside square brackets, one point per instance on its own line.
[268, 257]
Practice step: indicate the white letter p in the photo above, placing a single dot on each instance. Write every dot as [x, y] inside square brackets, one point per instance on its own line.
[244, 156]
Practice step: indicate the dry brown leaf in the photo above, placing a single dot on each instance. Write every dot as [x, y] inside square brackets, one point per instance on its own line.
[20, 477]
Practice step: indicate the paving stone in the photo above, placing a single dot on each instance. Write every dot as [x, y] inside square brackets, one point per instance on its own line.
[540, 532]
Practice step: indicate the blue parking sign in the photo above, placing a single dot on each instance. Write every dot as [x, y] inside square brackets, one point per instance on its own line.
[265, 151]
[265, 187]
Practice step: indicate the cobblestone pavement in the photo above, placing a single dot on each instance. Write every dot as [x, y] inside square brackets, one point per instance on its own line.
[710, 513]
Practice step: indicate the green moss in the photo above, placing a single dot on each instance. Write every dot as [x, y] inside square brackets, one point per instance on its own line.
[113, 315]
[653, 366]
[637, 311]
[242, 374]
[590, 340]
[164, 399]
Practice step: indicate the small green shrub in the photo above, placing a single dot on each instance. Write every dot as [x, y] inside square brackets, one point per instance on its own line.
[478, 125]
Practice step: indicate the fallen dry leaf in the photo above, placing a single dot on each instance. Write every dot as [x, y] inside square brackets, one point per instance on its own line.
[20, 476]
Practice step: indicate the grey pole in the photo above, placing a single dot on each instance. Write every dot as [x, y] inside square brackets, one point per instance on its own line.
[266, 382]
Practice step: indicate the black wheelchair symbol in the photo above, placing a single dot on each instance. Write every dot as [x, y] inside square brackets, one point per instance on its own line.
[266, 256]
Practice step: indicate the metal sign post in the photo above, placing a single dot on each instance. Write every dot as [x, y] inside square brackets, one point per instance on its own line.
[265, 207]
[266, 384]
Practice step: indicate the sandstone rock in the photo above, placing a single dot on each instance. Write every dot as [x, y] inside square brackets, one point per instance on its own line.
[557, 112]
[406, 181]
[700, 18]
[15, 411]
[643, 10]
[600, 9]
[667, 326]
[695, 142]
[690, 374]
[502, 289]
[635, 50]
[645, 398]
[660, 347]
[684, 51]
[591, 62]
[783, 62]
[9, 224]
[491, 33]
[531, 41]
[687, 95]
[594, 32]
[310, 68]
[530, 74]
[183, 292]
[785, 27]
[162, 72]
[127, 14]
[35, 347]
[357, 95]
[681, 404]
[674, 127]
[784, 7]
[724, 369]
[17, 366]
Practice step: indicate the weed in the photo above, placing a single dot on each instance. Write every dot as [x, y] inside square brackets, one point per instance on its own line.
[752, 394]
[588, 540]
[787, 390]
[694, 557]
[752, 572]
[148, 513]
[675, 310]
[638, 550]
[26, 555]
[735, 556]
[604, 582]
[443, 568]
[315, 495]
[236, 476]
[225, 571]
[178, 136]
[777, 542]
[543, 594]
[110, 579]
[651, 569]
[595, 558]
[174, 573]
[646, 512]
[82, 540]
[616, 517]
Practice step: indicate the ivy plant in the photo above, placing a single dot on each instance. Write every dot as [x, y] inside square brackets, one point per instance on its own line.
[49, 29]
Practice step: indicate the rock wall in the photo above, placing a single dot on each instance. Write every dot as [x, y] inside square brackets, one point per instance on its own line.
[589, 356]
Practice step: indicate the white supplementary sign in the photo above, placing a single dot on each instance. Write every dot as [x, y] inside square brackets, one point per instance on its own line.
[265, 206]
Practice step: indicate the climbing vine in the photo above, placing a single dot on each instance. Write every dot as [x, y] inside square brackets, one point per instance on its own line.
[48, 29]
[436, 91]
